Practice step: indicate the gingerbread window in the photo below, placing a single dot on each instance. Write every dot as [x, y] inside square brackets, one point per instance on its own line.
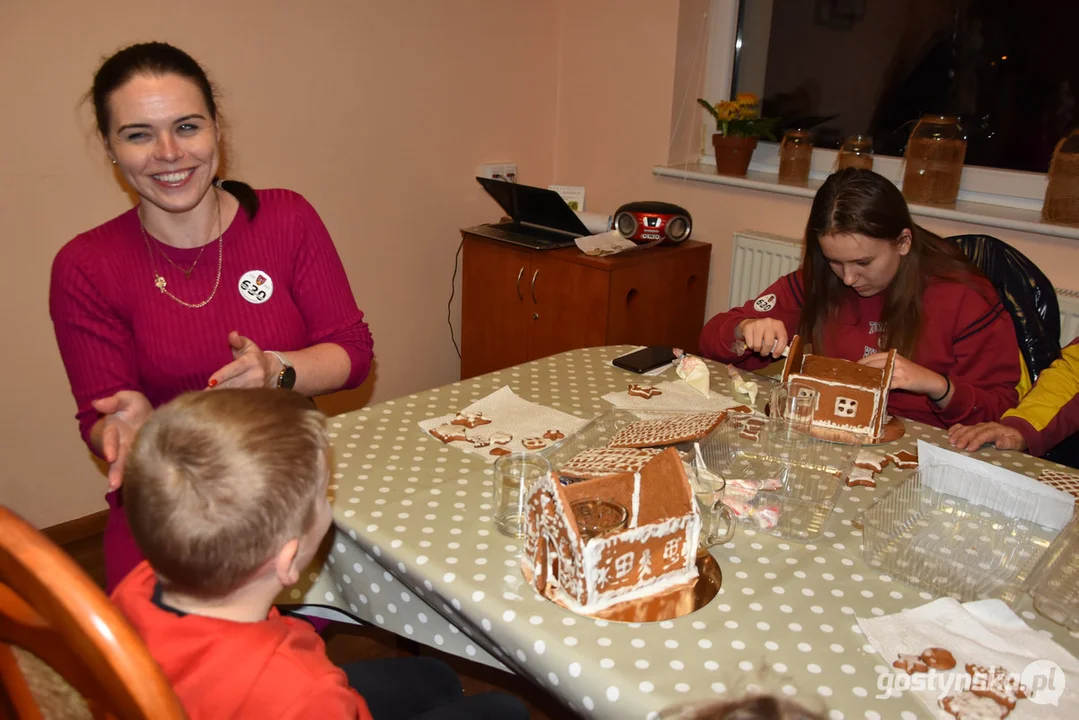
[672, 549]
[623, 565]
[846, 407]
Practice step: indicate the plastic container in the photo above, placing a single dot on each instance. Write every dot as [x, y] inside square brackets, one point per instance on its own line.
[808, 475]
[1054, 584]
[795, 157]
[934, 161]
[951, 546]
[857, 152]
[1061, 203]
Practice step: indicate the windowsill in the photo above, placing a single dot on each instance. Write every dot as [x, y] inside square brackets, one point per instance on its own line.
[999, 216]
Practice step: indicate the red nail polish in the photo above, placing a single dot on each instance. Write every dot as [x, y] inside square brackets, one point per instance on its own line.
[212, 382]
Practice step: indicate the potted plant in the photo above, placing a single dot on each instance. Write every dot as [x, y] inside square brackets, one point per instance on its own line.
[738, 126]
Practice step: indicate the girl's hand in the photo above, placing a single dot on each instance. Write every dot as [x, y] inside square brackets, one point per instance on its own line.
[124, 413]
[250, 368]
[765, 336]
[973, 437]
[912, 377]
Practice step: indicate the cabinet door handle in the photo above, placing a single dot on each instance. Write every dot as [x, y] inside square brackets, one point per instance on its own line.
[533, 288]
[520, 273]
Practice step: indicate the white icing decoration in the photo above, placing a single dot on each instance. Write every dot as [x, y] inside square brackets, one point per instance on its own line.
[636, 500]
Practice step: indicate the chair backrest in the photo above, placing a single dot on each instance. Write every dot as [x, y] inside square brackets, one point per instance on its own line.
[1027, 295]
[51, 608]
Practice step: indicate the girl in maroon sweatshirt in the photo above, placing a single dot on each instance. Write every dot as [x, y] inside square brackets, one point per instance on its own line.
[202, 285]
[871, 280]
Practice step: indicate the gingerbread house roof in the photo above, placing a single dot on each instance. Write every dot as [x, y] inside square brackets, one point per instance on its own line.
[663, 492]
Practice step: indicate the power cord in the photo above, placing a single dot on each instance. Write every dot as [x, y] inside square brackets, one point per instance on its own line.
[453, 289]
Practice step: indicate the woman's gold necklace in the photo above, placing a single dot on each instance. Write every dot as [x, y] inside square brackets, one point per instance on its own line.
[161, 284]
[186, 271]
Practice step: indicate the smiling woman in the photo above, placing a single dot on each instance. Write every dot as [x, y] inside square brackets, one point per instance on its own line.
[185, 291]
[871, 281]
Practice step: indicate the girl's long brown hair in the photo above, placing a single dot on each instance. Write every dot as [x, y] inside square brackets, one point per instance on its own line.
[855, 201]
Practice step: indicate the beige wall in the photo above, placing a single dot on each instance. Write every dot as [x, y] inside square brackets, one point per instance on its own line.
[378, 112]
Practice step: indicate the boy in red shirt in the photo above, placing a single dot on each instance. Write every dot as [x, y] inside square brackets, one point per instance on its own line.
[226, 495]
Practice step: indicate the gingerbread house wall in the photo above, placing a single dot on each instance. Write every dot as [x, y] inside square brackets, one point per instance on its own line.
[866, 411]
[632, 559]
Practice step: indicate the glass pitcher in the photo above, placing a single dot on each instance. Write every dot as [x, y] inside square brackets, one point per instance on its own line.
[1062, 194]
[795, 157]
[857, 152]
[934, 161]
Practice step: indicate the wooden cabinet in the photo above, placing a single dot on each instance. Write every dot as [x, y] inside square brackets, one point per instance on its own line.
[518, 304]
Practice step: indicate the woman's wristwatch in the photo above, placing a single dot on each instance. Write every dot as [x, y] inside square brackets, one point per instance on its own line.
[286, 379]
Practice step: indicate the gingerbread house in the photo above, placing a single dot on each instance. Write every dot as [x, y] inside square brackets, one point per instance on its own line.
[655, 552]
[853, 397]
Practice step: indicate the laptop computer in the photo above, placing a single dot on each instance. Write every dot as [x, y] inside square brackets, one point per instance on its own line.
[540, 218]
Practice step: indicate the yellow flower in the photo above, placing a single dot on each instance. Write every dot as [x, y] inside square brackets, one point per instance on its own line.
[746, 100]
[727, 110]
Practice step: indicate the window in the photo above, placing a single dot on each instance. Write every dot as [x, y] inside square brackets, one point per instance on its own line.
[672, 550]
[623, 565]
[846, 407]
[843, 67]
[738, 55]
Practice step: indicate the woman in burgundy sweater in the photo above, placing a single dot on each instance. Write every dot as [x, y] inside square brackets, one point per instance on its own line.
[872, 280]
[204, 284]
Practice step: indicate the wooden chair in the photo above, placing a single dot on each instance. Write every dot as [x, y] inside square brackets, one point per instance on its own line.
[51, 608]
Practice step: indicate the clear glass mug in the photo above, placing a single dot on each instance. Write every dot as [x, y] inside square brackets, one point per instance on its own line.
[514, 474]
[793, 404]
[717, 520]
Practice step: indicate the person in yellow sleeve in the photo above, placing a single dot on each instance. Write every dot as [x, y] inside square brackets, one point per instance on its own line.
[1044, 419]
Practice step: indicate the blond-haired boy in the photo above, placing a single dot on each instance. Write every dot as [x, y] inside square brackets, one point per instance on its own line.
[225, 492]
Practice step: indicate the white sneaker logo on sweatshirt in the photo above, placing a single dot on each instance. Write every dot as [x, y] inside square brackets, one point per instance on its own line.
[765, 302]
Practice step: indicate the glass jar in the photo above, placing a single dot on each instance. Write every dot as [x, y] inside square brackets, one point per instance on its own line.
[934, 161]
[795, 157]
[857, 152]
[1062, 194]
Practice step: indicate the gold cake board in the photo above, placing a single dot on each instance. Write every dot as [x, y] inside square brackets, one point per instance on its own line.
[668, 605]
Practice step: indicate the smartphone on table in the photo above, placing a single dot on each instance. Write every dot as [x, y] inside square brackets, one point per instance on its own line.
[645, 359]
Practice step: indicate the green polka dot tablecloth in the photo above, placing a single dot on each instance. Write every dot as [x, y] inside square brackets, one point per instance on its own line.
[416, 552]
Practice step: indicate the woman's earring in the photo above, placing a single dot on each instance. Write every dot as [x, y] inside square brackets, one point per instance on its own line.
[114, 161]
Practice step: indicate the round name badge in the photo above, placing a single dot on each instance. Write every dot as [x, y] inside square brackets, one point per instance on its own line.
[256, 286]
[765, 302]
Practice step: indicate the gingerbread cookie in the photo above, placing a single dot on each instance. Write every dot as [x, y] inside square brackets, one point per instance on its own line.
[968, 706]
[869, 460]
[535, 443]
[554, 435]
[449, 433]
[996, 684]
[910, 664]
[500, 438]
[597, 462]
[479, 441]
[741, 410]
[470, 419]
[499, 451]
[860, 477]
[667, 431]
[1061, 481]
[938, 658]
[644, 391]
[751, 436]
[904, 459]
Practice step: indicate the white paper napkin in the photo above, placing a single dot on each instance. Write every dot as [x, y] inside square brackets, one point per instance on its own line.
[509, 414]
[984, 632]
[676, 395]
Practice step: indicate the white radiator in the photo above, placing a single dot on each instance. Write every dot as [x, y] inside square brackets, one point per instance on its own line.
[760, 259]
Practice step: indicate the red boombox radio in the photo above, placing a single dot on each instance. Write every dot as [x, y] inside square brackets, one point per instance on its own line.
[647, 222]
